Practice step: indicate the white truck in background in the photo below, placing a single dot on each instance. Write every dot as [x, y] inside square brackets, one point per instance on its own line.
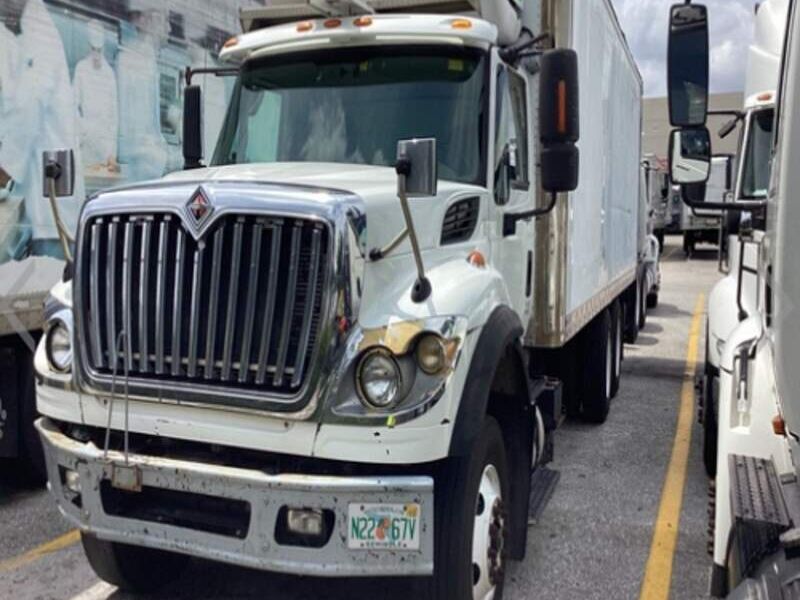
[734, 296]
[703, 226]
[757, 478]
[336, 351]
[658, 188]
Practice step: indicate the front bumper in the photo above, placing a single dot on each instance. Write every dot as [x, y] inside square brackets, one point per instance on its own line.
[256, 546]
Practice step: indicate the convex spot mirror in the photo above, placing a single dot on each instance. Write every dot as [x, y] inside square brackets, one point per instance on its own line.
[58, 165]
[690, 155]
[416, 159]
[687, 65]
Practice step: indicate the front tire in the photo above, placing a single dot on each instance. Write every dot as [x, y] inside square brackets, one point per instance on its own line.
[642, 299]
[472, 521]
[132, 569]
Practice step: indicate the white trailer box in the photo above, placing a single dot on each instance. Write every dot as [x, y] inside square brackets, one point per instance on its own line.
[587, 249]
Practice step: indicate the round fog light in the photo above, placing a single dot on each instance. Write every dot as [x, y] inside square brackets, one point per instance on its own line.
[431, 354]
[58, 347]
[378, 379]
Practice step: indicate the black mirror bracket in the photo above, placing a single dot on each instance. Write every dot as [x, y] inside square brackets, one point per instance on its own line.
[510, 220]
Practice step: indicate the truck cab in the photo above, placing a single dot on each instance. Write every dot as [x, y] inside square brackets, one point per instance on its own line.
[343, 342]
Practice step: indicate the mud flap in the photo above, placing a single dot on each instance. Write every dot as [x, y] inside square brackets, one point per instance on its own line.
[543, 484]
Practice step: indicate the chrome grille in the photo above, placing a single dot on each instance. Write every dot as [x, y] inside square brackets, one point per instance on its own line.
[239, 308]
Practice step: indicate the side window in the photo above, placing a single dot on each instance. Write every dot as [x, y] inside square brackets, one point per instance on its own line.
[511, 134]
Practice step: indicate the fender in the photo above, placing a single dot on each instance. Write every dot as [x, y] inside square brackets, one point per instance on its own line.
[502, 330]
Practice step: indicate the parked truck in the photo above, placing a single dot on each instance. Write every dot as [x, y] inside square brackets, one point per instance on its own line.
[658, 188]
[756, 482]
[735, 294]
[342, 348]
[703, 226]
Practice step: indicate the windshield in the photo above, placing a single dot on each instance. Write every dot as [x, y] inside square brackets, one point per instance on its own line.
[758, 151]
[352, 106]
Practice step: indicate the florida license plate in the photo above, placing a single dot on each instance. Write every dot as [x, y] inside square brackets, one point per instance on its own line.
[383, 526]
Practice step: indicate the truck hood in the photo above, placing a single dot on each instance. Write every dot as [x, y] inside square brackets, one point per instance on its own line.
[375, 186]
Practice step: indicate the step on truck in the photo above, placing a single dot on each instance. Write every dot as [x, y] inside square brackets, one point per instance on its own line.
[341, 348]
[756, 514]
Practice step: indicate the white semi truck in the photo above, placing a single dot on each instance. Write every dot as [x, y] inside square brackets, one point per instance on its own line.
[734, 296]
[703, 226]
[335, 351]
[756, 517]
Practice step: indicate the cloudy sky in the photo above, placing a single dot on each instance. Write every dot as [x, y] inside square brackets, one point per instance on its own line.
[645, 24]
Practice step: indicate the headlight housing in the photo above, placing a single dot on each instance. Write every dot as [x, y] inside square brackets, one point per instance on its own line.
[378, 379]
[431, 354]
[58, 346]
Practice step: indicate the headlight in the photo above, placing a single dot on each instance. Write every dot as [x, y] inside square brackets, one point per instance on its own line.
[431, 354]
[58, 347]
[378, 378]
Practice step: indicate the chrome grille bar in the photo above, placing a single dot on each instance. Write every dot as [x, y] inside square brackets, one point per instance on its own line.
[161, 294]
[194, 327]
[233, 290]
[211, 333]
[283, 348]
[269, 309]
[144, 296]
[94, 285]
[308, 309]
[177, 306]
[111, 273]
[250, 310]
[127, 275]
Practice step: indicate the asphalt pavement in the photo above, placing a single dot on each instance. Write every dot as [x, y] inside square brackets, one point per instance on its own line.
[592, 541]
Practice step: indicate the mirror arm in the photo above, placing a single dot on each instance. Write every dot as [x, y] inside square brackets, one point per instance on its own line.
[422, 287]
[729, 206]
[510, 220]
[52, 172]
[218, 72]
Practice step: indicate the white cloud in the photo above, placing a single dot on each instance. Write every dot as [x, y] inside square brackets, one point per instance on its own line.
[645, 25]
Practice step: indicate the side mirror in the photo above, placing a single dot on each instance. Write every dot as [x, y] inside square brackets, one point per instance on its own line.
[416, 159]
[690, 155]
[687, 65]
[559, 120]
[58, 166]
[192, 127]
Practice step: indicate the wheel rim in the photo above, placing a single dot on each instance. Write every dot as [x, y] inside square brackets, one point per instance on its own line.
[609, 361]
[488, 536]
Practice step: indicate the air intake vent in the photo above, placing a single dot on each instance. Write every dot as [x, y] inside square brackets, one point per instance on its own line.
[460, 221]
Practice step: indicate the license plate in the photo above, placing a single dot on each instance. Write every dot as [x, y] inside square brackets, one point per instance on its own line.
[383, 526]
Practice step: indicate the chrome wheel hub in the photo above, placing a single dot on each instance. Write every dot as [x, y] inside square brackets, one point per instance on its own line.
[488, 536]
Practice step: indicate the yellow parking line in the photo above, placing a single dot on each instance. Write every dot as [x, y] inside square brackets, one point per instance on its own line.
[59, 543]
[658, 572]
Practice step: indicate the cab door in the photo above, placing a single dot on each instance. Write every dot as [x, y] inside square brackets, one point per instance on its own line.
[511, 182]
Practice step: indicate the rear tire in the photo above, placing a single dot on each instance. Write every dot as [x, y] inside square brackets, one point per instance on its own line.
[132, 569]
[619, 345]
[642, 299]
[472, 521]
[652, 300]
[598, 367]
